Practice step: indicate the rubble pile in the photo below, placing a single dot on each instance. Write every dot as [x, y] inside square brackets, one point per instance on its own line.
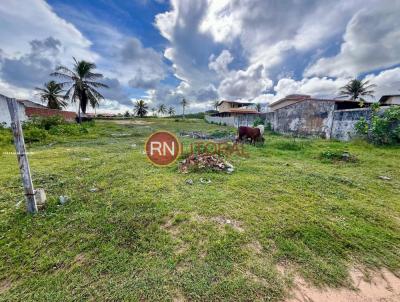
[205, 162]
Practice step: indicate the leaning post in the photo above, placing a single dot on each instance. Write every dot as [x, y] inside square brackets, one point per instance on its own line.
[22, 157]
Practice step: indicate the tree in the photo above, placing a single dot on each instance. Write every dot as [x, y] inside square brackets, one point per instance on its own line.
[154, 110]
[171, 111]
[258, 107]
[51, 93]
[162, 109]
[141, 108]
[216, 104]
[82, 82]
[356, 89]
[126, 114]
[184, 104]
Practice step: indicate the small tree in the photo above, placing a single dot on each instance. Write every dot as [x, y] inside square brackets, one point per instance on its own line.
[184, 104]
[258, 107]
[51, 93]
[171, 111]
[216, 104]
[154, 111]
[126, 114]
[141, 108]
[162, 109]
[356, 89]
[383, 128]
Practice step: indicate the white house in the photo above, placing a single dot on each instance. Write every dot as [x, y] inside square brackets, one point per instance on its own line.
[393, 99]
[234, 113]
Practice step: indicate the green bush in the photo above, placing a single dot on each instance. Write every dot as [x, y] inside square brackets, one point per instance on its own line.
[384, 128]
[34, 134]
[258, 121]
[337, 156]
[69, 130]
[45, 122]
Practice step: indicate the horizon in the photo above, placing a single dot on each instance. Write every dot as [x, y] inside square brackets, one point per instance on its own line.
[161, 51]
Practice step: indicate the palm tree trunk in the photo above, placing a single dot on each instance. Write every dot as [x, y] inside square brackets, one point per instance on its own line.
[79, 113]
[183, 111]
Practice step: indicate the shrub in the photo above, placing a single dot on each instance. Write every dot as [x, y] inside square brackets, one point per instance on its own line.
[258, 121]
[384, 128]
[45, 123]
[68, 129]
[34, 134]
[338, 156]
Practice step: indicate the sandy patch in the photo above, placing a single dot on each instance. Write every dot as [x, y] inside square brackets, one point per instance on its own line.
[5, 285]
[378, 287]
[131, 122]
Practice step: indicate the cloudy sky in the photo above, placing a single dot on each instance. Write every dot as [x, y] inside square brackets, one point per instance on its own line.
[203, 50]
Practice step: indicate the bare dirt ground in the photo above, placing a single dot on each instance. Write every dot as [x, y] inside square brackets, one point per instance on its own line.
[377, 287]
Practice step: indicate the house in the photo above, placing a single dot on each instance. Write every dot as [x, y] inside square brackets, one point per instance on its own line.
[234, 113]
[305, 115]
[393, 99]
[28, 109]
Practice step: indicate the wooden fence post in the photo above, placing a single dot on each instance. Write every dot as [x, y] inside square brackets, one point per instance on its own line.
[23, 163]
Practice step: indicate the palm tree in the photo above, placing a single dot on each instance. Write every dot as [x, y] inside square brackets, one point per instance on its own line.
[141, 108]
[184, 103]
[82, 82]
[154, 110]
[258, 107]
[171, 111]
[216, 104]
[162, 109]
[356, 89]
[51, 93]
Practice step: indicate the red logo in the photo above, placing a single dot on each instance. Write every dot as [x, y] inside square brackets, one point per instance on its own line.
[162, 148]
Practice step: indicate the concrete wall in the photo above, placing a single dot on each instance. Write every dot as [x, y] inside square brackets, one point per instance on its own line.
[5, 114]
[318, 118]
[344, 121]
[235, 120]
[306, 118]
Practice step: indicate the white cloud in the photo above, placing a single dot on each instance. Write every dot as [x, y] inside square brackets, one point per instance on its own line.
[220, 63]
[35, 20]
[371, 41]
[245, 84]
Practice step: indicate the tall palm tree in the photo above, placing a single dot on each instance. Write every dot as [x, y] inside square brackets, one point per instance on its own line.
[162, 109]
[51, 93]
[141, 108]
[184, 104]
[216, 104]
[356, 89]
[82, 82]
[258, 107]
[171, 111]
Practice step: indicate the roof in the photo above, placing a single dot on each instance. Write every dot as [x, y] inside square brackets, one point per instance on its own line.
[295, 98]
[292, 97]
[31, 104]
[385, 97]
[235, 102]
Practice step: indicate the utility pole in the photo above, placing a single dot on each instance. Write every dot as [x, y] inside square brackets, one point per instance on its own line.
[22, 157]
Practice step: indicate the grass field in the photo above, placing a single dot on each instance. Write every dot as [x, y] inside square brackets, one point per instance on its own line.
[145, 234]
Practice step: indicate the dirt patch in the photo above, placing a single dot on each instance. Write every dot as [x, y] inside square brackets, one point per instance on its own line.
[380, 286]
[132, 122]
[5, 285]
[236, 225]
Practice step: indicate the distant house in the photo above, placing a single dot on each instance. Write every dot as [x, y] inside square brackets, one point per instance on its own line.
[28, 109]
[234, 113]
[393, 99]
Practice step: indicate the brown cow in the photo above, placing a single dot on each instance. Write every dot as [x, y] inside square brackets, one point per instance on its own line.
[254, 134]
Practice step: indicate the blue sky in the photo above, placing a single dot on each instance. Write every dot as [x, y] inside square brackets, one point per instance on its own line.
[203, 50]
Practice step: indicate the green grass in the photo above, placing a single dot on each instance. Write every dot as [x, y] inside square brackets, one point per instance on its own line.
[147, 235]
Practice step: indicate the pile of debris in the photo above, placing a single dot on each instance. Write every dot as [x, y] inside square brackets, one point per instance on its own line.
[196, 162]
